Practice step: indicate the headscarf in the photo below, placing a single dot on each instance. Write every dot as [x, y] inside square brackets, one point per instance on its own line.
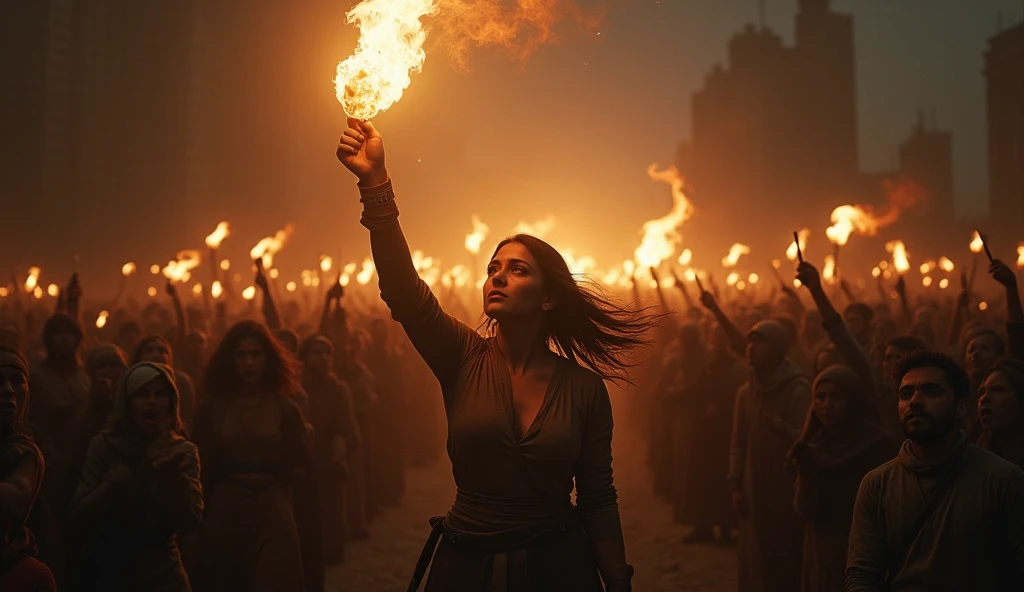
[309, 342]
[134, 379]
[59, 323]
[102, 353]
[145, 341]
[12, 358]
[774, 333]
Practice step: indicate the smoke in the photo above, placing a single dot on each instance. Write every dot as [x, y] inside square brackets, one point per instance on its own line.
[518, 26]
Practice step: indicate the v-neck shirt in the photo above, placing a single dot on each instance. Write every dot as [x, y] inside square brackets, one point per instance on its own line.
[503, 483]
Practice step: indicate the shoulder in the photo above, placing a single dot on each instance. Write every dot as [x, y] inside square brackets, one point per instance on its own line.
[990, 464]
[878, 476]
[182, 378]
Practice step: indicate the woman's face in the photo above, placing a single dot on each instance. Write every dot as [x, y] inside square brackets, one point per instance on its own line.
[157, 352]
[13, 395]
[514, 286]
[999, 405]
[830, 404]
[318, 359]
[150, 407]
[250, 361]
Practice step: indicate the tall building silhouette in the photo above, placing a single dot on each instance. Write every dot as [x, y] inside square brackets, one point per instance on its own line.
[1004, 74]
[926, 157]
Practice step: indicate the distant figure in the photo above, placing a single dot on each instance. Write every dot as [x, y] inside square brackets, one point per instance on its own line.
[945, 514]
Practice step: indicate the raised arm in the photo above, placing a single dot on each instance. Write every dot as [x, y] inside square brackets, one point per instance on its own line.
[441, 340]
[1002, 273]
[736, 339]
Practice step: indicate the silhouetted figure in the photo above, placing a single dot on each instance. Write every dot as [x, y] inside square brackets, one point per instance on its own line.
[156, 349]
[1001, 411]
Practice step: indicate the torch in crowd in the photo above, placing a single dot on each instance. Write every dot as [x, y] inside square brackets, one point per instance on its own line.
[213, 242]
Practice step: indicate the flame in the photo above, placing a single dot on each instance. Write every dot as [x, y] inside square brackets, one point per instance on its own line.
[270, 246]
[735, 252]
[179, 269]
[33, 279]
[926, 281]
[307, 278]
[876, 272]
[864, 220]
[151, 291]
[127, 269]
[928, 266]
[685, 257]
[326, 263]
[197, 290]
[475, 238]
[977, 244]
[829, 272]
[777, 263]
[366, 272]
[946, 265]
[539, 229]
[792, 253]
[344, 280]
[291, 286]
[1020, 256]
[732, 279]
[37, 293]
[101, 320]
[983, 306]
[216, 290]
[350, 268]
[690, 275]
[944, 283]
[4, 292]
[217, 236]
[753, 278]
[53, 290]
[899, 255]
[661, 235]
[249, 293]
[154, 269]
[225, 265]
[578, 265]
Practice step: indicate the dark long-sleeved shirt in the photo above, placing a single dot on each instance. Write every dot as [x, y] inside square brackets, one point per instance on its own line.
[973, 541]
[504, 483]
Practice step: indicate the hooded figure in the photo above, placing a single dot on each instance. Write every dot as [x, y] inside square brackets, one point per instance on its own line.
[840, 443]
[769, 411]
[140, 487]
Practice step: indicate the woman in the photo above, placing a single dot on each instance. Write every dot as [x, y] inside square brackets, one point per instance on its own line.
[156, 349]
[840, 443]
[261, 527]
[140, 487]
[1001, 410]
[523, 421]
[21, 477]
[336, 437]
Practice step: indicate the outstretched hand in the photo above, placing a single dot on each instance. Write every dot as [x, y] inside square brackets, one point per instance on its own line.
[1002, 273]
[361, 150]
[808, 276]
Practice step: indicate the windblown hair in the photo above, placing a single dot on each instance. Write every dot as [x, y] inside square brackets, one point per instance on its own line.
[279, 375]
[586, 326]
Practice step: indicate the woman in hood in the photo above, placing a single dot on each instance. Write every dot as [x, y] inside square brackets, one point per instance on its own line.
[841, 441]
[140, 487]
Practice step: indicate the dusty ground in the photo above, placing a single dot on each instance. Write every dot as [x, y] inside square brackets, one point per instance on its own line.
[385, 562]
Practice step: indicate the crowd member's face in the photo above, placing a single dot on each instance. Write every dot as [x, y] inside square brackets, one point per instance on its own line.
[250, 360]
[759, 352]
[150, 407]
[319, 359]
[514, 287]
[830, 404]
[999, 406]
[889, 359]
[13, 395]
[982, 353]
[928, 407]
[106, 376]
[65, 343]
[157, 352]
[856, 324]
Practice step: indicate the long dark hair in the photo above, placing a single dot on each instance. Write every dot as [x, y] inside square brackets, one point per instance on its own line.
[280, 374]
[586, 326]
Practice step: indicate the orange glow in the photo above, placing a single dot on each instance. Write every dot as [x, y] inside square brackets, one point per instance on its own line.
[926, 281]
[943, 283]
[4, 292]
[983, 306]
[270, 246]
[792, 253]
[249, 293]
[366, 273]
[829, 272]
[326, 263]
[154, 269]
[977, 244]
[578, 265]
[345, 279]
[101, 320]
[274, 273]
[38, 293]
[53, 290]
[476, 238]
[350, 268]
[179, 269]
[900, 259]
[735, 252]
[216, 290]
[946, 265]
[127, 269]
[928, 266]
[151, 291]
[685, 257]
[661, 235]
[732, 279]
[217, 236]
[539, 229]
[1020, 256]
[32, 281]
[777, 263]
[291, 286]
[753, 278]
[876, 272]
[864, 220]
[197, 290]
[225, 265]
[390, 46]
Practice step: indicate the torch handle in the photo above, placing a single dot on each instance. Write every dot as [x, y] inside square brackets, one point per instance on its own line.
[984, 243]
[700, 285]
[799, 251]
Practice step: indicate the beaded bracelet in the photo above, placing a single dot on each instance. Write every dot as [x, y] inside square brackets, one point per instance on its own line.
[387, 196]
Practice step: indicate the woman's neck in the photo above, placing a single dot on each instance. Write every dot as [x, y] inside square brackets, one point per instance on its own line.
[522, 343]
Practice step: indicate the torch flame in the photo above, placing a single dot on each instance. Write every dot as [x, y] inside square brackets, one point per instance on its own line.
[101, 320]
[661, 235]
[928, 267]
[179, 269]
[53, 290]
[685, 257]
[945, 264]
[270, 246]
[1020, 256]
[390, 46]
[943, 283]
[734, 255]
[793, 251]
[732, 279]
[863, 219]
[326, 263]
[899, 255]
[580, 265]
[33, 279]
[977, 244]
[829, 272]
[476, 238]
[291, 286]
[539, 229]
[249, 293]
[366, 272]
[216, 290]
[127, 269]
[217, 236]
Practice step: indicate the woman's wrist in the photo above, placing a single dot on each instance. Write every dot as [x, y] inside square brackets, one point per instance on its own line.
[374, 179]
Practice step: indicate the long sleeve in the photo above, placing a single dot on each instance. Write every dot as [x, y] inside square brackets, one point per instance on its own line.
[852, 352]
[1012, 516]
[442, 341]
[865, 559]
[596, 496]
[93, 472]
[181, 506]
[738, 442]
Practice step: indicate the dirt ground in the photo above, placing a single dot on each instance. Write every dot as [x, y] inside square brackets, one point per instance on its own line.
[653, 542]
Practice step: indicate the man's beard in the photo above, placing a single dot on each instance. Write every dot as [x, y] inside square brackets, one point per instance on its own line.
[936, 432]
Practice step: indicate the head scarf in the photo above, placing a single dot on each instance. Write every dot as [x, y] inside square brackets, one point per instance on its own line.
[13, 358]
[134, 379]
[102, 353]
[59, 323]
[773, 333]
[145, 341]
[309, 342]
